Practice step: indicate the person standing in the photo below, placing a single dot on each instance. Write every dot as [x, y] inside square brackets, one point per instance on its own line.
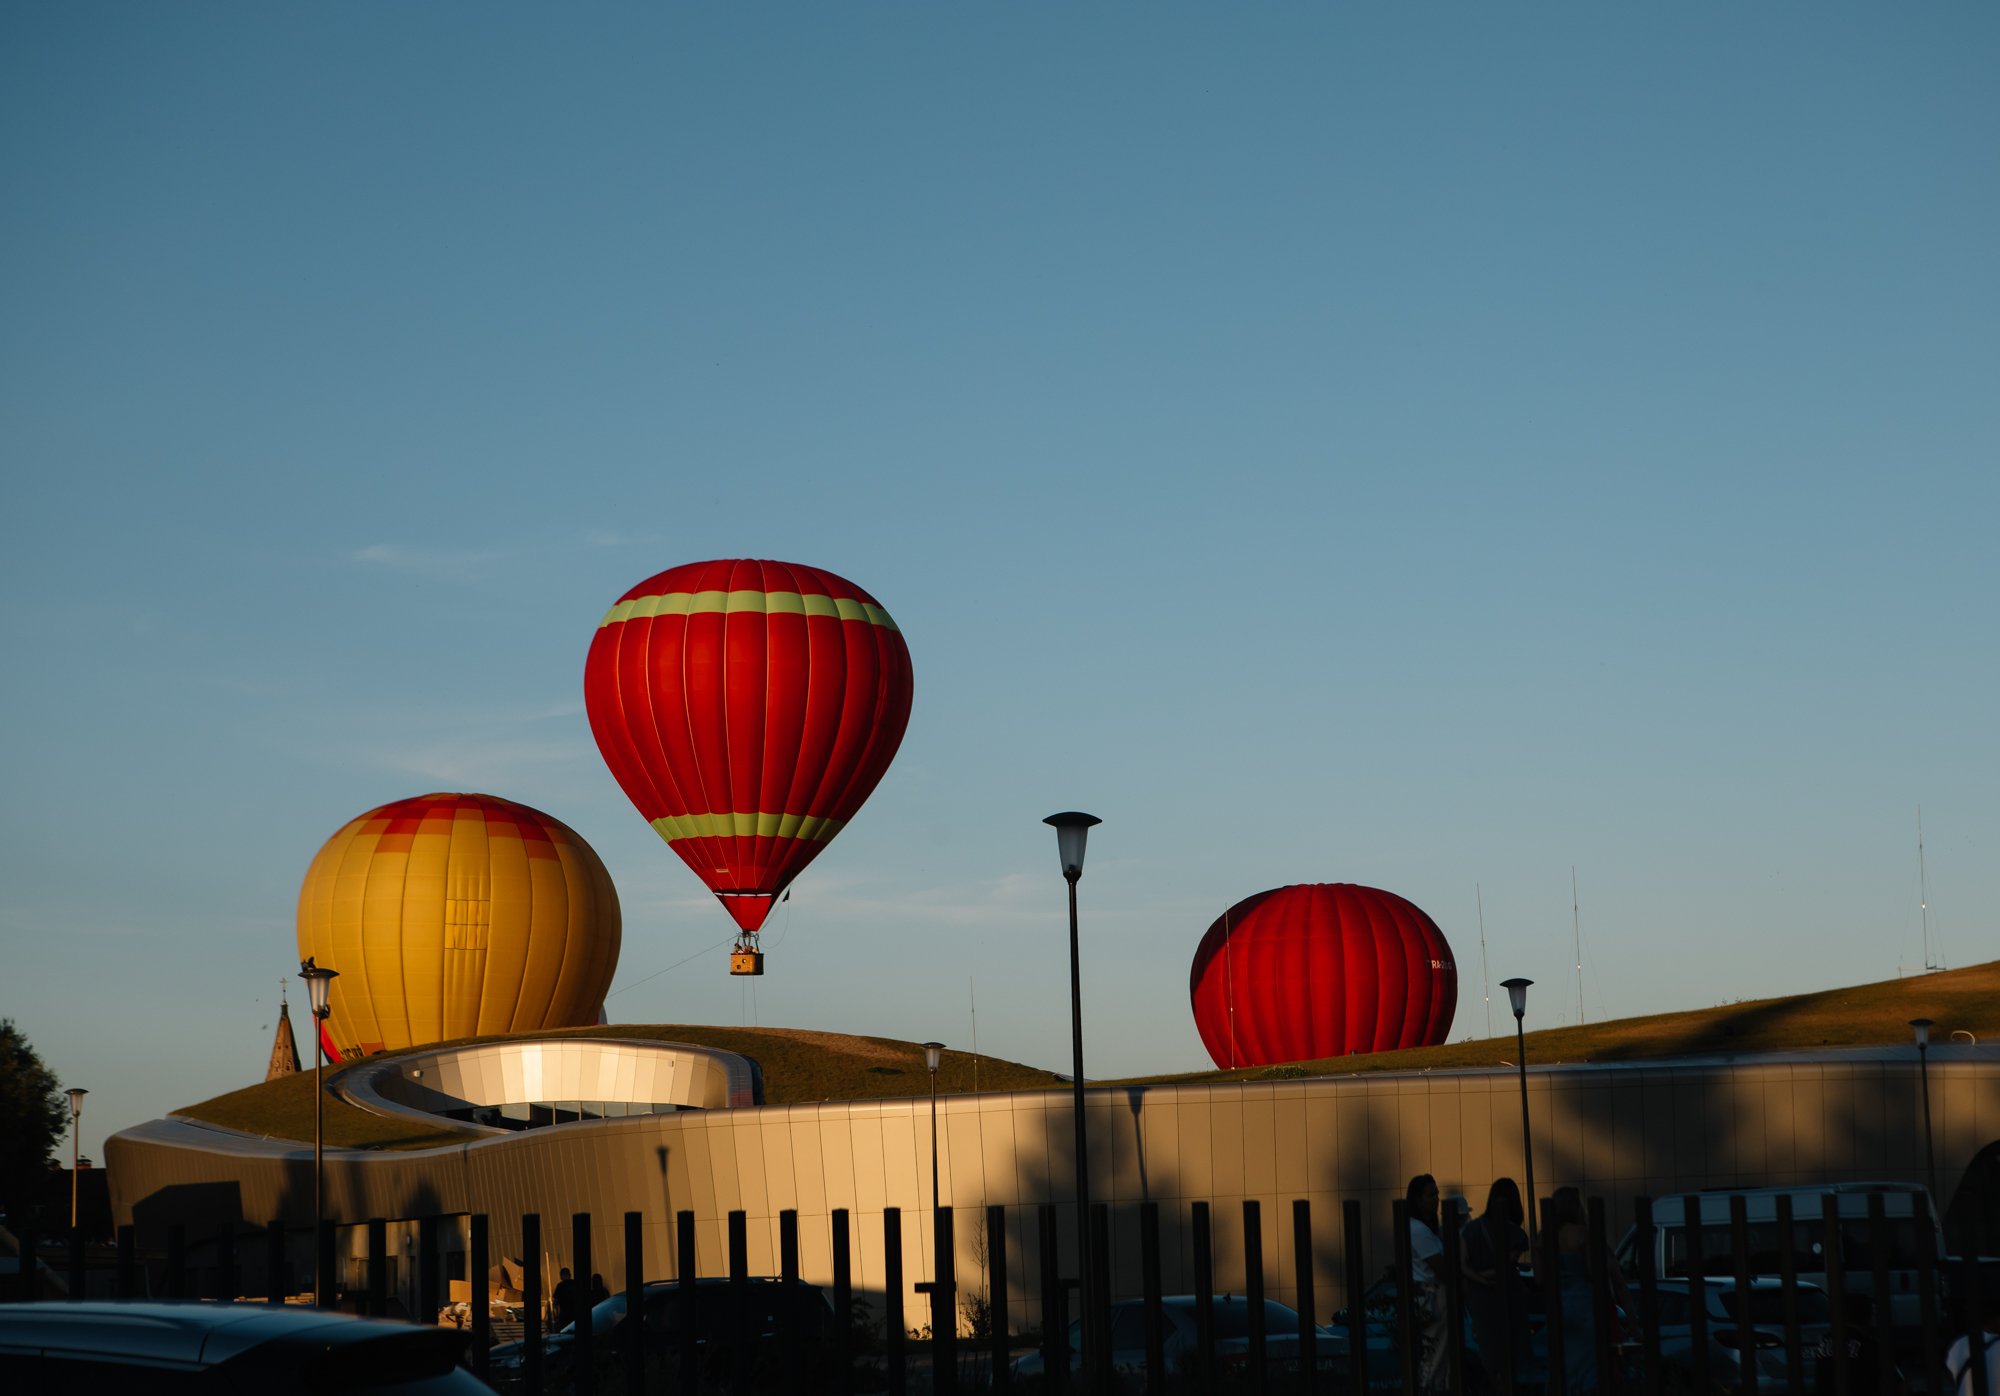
[1426, 1293]
[565, 1299]
[1960, 1362]
[1496, 1300]
[1576, 1300]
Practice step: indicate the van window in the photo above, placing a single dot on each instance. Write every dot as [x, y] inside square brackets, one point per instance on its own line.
[1718, 1241]
[1808, 1247]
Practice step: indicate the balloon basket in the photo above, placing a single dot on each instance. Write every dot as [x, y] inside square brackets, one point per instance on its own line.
[746, 961]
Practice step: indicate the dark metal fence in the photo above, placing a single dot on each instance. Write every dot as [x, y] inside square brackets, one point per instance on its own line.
[1737, 1318]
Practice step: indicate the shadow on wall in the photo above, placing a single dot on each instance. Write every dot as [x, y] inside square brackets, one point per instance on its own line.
[1972, 1221]
[1614, 1132]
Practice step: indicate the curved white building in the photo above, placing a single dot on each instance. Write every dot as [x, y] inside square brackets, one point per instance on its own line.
[659, 1128]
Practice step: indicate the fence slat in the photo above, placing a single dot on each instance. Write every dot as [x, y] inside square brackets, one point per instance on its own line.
[476, 1265]
[997, 1321]
[687, 1270]
[843, 1303]
[583, 1368]
[892, 1299]
[1645, 1240]
[635, 1303]
[531, 1301]
[1253, 1292]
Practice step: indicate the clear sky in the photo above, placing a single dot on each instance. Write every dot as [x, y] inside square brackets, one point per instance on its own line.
[1433, 446]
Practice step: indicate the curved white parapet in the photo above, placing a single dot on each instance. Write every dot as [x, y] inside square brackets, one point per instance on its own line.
[500, 1087]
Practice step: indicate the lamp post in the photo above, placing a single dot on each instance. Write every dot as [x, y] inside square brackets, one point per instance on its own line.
[318, 980]
[1921, 1028]
[933, 1054]
[76, 1095]
[1072, 830]
[1517, 995]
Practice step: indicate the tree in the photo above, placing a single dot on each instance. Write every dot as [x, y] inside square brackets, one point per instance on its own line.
[33, 1116]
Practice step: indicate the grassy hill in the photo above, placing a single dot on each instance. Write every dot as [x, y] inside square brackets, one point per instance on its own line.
[1863, 1016]
[804, 1065]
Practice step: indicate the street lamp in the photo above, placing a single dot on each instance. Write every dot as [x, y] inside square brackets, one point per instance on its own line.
[318, 980]
[933, 1054]
[1921, 1028]
[1517, 995]
[1072, 830]
[76, 1095]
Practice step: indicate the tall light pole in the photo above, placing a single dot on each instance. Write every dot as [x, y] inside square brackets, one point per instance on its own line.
[1921, 1027]
[1072, 830]
[76, 1095]
[933, 1054]
[1517, 995]
[318, 980]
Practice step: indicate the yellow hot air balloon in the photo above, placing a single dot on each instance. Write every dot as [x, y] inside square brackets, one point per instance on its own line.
[448, 916]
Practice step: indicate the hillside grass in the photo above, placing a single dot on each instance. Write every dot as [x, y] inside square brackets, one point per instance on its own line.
[802, 1065]
[1867, 1015]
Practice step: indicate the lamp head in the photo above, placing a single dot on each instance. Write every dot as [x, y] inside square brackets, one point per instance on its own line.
[318, 980]
[1921, 1027]
[933, 1054]
[1072, 828]
[76, 1095]
[1517, 995]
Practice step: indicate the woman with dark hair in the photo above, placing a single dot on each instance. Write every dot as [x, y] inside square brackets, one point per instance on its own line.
[1496, 1301]
[1576, 1303]
[1426, 1295]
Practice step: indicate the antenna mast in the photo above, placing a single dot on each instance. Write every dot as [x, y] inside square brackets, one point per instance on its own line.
[1923, 891]
[1485, 975]
[1576, 930]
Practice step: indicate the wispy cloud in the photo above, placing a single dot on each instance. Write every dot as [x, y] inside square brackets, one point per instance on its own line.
[463, 564]
[474, 764]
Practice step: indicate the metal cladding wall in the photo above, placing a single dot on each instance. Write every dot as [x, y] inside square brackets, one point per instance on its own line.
[1321, 970]
[1616, 1131]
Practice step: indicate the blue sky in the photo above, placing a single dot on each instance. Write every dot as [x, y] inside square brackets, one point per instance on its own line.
[1426, 446]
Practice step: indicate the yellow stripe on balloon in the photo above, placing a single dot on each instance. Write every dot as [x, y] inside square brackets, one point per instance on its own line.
[813, 828]
[777, 603]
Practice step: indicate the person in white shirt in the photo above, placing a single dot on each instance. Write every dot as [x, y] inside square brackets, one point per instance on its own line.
[1426, 1292]
[1959, 1363]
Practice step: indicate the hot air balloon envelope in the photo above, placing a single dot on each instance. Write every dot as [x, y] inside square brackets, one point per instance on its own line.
[448, 916]
[1321, 970]
[747, 709]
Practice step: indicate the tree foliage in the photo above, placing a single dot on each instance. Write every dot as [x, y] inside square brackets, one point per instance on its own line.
[33, 1116]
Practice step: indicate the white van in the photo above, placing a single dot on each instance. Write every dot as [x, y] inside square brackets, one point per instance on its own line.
[1910, 1225]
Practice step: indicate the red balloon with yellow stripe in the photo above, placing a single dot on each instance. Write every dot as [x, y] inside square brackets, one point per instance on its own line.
[747, 708]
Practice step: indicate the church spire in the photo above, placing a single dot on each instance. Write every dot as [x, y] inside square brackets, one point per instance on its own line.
[284, 1047]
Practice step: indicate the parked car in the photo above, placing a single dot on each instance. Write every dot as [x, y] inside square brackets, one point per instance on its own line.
[1723, 1308]
[1911, 1228]
[164, 1348]
[1385, 1354]
[713, 1320]
[1180, 1338]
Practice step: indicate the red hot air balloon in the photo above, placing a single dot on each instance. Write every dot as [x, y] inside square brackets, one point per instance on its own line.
[1321, 970]
[747, 709]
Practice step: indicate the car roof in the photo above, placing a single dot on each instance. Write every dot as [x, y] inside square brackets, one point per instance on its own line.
[1729, 1282]
[191, 1333]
